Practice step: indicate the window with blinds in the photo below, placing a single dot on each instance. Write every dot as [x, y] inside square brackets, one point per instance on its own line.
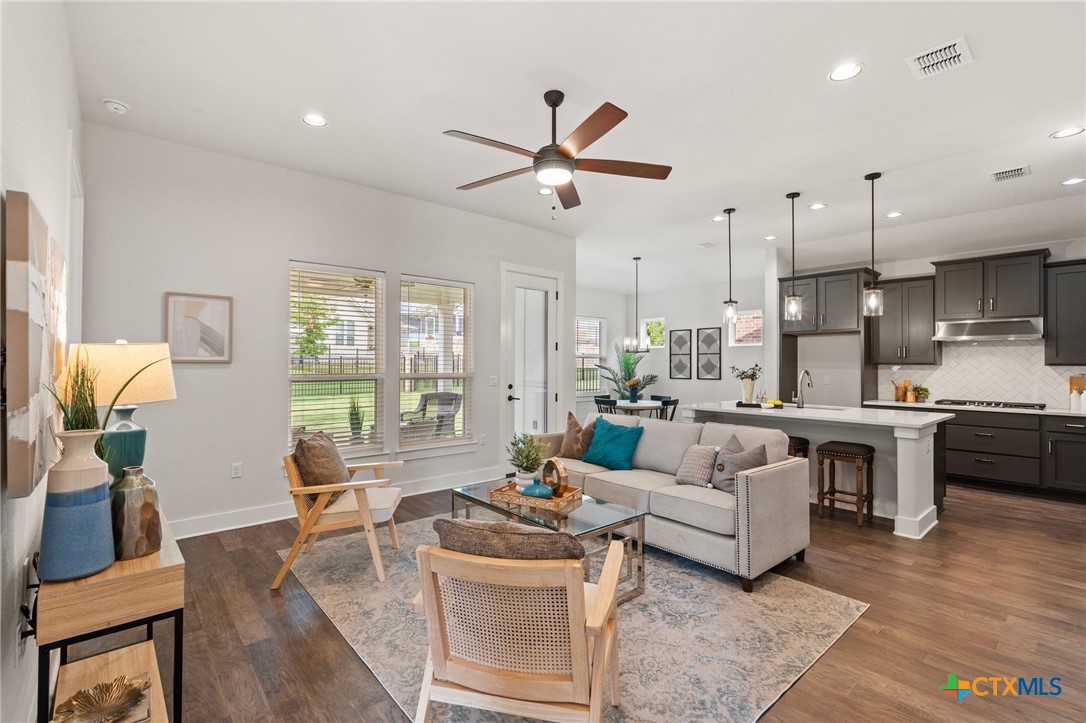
[590, 349]
[437, 372]
[336, 355]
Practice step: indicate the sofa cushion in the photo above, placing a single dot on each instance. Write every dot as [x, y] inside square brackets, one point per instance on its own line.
[613, 445]
[697, 466]
[627, 487]
[729, 465]
[576, 469]
[703, 507]
[575, 442]
[775, 441]
[622, 420]
[664, 443]
[507, 540]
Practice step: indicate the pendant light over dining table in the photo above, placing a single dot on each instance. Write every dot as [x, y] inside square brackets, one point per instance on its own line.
[872, 292]
[793, 302]
[636, 344]
[731, 306]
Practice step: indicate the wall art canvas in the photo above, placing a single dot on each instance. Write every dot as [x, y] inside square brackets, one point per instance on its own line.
[198, 327]
[681, 351]
[34, 293]
[709, 353]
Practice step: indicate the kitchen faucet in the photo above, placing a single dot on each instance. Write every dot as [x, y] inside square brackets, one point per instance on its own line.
[810, 385]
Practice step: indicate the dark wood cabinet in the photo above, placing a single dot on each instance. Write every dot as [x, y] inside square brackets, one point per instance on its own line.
[959, 291]
[806, 288]
[1065, 314]
[1065, 461]
[907, 323]
[838, 303]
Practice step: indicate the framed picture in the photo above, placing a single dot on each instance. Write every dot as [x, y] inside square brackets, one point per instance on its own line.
[681, 350]
[199, 328]
[709, 353]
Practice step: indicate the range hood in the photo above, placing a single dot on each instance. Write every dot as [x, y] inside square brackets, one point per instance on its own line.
[990, 330]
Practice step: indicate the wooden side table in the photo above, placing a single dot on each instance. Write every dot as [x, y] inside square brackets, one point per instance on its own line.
[127, 594]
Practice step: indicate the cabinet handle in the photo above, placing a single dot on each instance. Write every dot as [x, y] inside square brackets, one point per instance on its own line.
[899, 352]
[983, 434]
[905, 354]
[1051, 447]
[991, 303]
[1076, 426]
[978, 304]
[821, 319]
[982, 459]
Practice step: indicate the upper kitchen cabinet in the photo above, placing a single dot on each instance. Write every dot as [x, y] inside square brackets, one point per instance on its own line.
[907, 323]
[838, 302]
[806, 288]
[1007, 286]
[1065, 313]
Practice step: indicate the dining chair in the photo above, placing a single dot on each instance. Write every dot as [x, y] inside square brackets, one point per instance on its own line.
[606, 405]
[667, 408]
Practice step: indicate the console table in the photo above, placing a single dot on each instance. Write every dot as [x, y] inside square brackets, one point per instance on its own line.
[128, 594]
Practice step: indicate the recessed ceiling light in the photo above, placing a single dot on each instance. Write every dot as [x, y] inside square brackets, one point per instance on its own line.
[770, 238]
[314, 119]
[718, 218]
[545, 191]
[895, 214]
[115, 106]
[1068, 132]
[845, 71]
[1073, 181]
[817, 206]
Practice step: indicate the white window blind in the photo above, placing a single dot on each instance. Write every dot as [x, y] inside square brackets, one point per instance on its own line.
[437, 371]
[337, 355]
[590, 350]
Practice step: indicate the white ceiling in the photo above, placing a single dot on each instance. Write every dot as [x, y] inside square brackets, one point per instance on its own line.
[734, 96]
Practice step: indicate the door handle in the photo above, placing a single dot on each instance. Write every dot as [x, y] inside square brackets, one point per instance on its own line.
[983, 434]
[1076, 426]
[991, 303]
[1051, 447]
[978, 305]
[982, 459]
[511, 398]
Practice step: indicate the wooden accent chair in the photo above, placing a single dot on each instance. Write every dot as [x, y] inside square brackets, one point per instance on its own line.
[520, 637]
[371, 503]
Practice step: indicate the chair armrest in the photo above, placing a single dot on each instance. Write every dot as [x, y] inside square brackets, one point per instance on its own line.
[404, 415]
[604, 602]
[417, 605]
[774, 520]
[340, 487]
[553, 440]
[352, 468]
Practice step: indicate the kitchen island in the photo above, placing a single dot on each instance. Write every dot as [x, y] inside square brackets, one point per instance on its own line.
[903, 441]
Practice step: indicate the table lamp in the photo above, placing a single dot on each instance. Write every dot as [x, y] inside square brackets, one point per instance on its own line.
[124, 440]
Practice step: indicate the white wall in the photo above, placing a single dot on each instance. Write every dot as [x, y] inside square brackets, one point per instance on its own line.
[602, 305]
[166, 217]
[40, 133]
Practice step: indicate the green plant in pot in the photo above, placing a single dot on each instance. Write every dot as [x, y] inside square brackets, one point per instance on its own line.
[747, 377]
[921, 393]
[625, 372]
[526, 454]
[355, 417]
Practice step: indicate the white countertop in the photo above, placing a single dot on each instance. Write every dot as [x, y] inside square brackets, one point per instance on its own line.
[964, 408]
[840, 415]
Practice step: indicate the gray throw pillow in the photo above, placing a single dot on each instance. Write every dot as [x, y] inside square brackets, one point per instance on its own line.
[697, 465]
[578, 439]
[730, 464]
[507, 540]
[319, 463]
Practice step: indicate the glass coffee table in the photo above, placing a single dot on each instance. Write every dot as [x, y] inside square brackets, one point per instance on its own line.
[586, 520]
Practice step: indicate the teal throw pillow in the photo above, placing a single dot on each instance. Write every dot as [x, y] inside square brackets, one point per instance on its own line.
[613, 446]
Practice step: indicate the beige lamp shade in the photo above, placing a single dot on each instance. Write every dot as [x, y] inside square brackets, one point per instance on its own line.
[116, 363]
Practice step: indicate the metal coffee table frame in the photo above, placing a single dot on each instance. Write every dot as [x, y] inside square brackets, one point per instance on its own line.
[633, 549]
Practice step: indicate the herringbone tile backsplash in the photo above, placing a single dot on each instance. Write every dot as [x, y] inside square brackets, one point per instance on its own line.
[1006, 371]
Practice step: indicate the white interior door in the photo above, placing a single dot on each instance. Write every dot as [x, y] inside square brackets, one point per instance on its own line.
[530, 335]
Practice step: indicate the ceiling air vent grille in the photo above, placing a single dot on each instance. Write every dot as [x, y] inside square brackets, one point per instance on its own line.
[709, 244]
[940, 59]
[1009, 174]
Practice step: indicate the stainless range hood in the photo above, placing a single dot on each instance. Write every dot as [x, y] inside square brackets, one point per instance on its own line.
[990, 330]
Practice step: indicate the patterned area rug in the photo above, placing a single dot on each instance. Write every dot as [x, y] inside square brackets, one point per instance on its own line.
[694, 647]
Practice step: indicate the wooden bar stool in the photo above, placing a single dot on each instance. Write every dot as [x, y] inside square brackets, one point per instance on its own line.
[854, 453]
[798, 446]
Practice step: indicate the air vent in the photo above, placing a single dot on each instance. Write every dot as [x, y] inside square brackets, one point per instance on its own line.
[709, 244]
[1009, 174]
[940, 59]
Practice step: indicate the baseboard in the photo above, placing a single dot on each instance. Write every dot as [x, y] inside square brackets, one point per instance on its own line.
[247, 517]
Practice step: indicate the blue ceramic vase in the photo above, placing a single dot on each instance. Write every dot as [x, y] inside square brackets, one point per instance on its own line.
[634, 393]
[124, 442]
[539, 490]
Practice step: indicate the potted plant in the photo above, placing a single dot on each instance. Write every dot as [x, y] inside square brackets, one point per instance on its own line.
[526, 454]
[634, 387]
[921, 393]
[627, 370]
[355, 417]
[747, 377]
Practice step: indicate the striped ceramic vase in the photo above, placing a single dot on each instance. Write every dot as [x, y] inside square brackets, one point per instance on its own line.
[77, 528]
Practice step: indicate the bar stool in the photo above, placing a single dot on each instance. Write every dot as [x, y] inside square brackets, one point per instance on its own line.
[798, 446]
[854, 453]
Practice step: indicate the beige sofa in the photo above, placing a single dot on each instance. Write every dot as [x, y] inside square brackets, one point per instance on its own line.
[765, 522]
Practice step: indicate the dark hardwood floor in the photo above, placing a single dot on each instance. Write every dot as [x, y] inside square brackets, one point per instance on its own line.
[997, 589]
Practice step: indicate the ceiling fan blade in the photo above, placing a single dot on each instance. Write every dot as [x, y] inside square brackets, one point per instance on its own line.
[492, 143]
[493, 179]
[593, 128]
[624, 168]
[567, 194]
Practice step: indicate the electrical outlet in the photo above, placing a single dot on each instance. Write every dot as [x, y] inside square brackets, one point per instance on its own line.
[482, 440]
[493, 381]
[235, 470]
[825, 380]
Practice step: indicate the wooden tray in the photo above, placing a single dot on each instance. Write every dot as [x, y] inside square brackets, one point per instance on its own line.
[509, 495]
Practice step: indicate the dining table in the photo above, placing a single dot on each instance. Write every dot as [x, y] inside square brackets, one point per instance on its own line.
[638, 407]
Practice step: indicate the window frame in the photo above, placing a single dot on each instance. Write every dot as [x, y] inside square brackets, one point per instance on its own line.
[600, 359]
[732, 327]
[644, 330]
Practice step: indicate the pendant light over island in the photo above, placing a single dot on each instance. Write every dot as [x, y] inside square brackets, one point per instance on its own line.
[731, 306]
[793, 302]
[873, 292]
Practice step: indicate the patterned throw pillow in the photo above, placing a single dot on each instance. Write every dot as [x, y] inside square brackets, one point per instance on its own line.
[697, 465]
[319, 463]
[577, 439]
[507, 540]
[731, 461]
[613, 445]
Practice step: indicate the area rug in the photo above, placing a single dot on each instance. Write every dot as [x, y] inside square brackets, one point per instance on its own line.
[694, 646]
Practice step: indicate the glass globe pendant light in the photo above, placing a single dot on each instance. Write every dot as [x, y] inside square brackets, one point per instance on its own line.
[872, 292]
[731, 306]
[635, 344]
[793, 302]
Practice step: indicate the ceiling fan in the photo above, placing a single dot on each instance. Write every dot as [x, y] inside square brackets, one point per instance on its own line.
[554, 164]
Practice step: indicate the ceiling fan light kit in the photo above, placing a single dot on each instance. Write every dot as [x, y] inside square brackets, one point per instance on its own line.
[793, 302]
[872, 292]
[731, 306]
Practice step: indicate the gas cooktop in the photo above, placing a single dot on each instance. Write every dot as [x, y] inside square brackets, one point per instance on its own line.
[991, 405]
